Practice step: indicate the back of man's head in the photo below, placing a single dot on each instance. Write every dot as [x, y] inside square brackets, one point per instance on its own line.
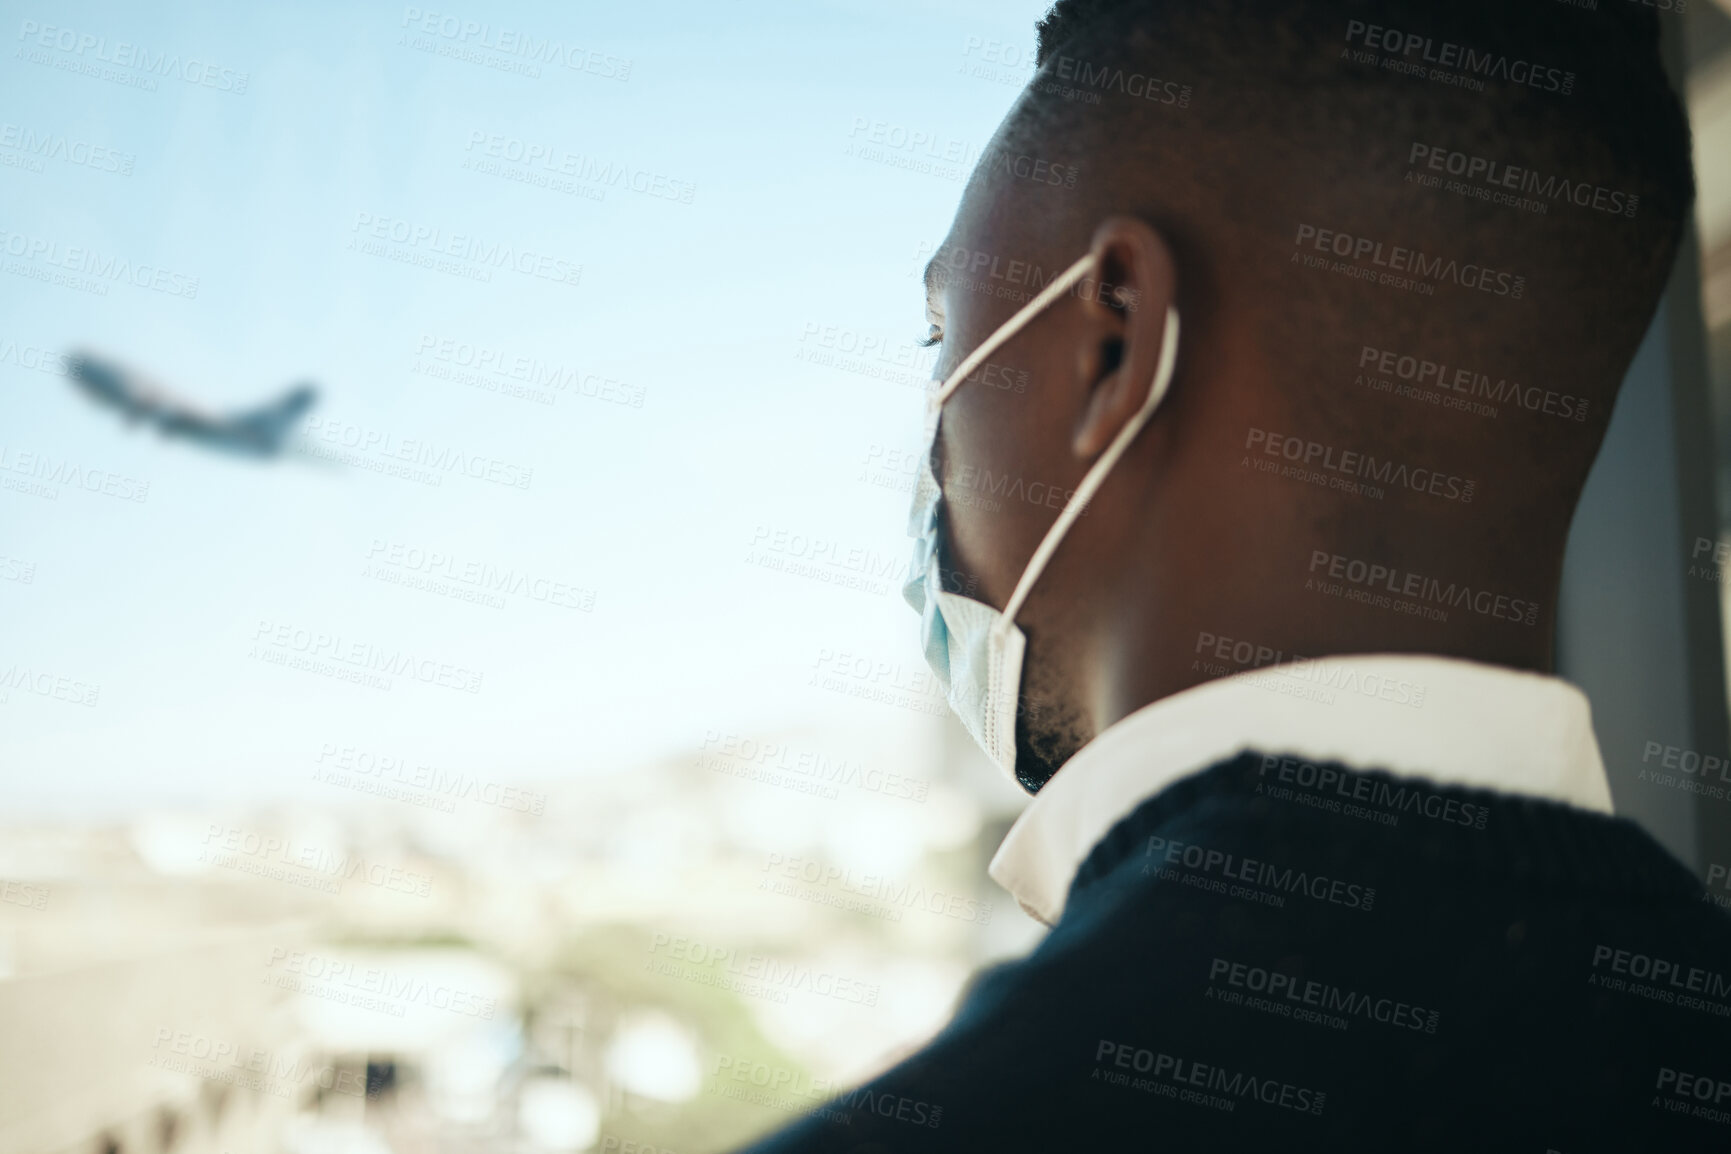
[1471, 205]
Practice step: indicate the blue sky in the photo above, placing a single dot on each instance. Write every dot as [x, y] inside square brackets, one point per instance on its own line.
[363, 123]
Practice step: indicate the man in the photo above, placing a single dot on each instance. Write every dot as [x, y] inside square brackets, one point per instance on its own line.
[1321, 320]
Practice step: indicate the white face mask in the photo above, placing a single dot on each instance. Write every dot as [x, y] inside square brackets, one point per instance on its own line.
[975, 650]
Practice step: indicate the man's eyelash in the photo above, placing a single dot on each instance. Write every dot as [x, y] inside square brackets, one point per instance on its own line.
[933, 336]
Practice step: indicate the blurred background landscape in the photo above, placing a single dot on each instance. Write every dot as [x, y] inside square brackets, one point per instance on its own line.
[679, 957]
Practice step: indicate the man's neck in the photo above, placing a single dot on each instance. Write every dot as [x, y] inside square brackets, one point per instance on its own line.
[1136, 675]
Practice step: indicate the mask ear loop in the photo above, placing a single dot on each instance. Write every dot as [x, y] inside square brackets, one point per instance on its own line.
[1096, 475]
[935, 400]
[1066, 280]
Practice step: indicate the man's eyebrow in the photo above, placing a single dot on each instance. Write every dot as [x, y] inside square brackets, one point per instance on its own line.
[930, 276]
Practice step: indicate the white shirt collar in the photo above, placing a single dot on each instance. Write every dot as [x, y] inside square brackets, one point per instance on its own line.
[1457, 723]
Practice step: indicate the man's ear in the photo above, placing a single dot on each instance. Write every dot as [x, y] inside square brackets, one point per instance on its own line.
[1125, 302]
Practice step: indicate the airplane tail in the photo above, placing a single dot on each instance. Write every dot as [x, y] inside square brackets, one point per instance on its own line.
[269, 424]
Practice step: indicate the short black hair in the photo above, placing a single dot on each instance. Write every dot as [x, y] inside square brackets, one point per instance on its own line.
[1622, 97]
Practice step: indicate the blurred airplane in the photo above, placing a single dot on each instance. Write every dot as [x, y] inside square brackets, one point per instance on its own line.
[258, 432]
